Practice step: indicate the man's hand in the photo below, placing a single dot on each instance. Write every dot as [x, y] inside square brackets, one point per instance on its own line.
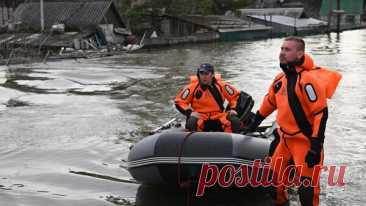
[188, 113]
[254, 123]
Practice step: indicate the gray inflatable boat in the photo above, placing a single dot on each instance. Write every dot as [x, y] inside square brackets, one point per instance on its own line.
[174, 154]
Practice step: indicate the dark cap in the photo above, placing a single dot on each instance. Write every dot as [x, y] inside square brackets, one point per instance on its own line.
[206, 68]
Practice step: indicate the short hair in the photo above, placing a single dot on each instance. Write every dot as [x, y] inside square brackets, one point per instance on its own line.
[300, 42]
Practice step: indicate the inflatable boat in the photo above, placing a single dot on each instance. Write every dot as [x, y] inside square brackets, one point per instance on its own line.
[174, 155]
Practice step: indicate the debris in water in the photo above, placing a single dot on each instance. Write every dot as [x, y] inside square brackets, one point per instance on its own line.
[16, 103]
[120, 200]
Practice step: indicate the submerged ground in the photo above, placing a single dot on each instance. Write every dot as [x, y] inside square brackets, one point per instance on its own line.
[62, 118]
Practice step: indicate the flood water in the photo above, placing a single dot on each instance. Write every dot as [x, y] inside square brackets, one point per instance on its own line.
[64, 123]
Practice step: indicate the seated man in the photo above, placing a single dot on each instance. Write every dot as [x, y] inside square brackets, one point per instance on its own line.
[202, 102]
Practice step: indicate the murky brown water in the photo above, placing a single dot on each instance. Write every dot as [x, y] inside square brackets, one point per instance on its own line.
[82, 115]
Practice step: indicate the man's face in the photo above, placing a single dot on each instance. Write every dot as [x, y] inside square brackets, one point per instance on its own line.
[290, 52]
[205, 77]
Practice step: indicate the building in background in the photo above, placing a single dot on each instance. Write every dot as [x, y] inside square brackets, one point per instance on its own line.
[350, 11]
[7, 8]
[285, 21]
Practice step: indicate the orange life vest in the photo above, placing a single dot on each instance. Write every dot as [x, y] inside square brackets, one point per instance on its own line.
[313, 86]
[202, 100]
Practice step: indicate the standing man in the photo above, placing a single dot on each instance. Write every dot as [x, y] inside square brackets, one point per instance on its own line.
[202, 102]
[299, 94]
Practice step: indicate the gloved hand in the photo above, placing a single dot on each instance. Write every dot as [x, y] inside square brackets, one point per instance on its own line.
[255, 122]
[314, 154]
[191, 123]
[192, 119]
[188, 113]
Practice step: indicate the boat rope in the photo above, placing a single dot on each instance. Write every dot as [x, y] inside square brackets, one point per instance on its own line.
[187, 183]
[182, 184]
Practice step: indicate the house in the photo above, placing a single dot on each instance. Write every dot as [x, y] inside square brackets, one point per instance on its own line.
[291, 12]
[96, 22]
[211, 28]
[7, 8]
[311, 7]
[350, 11]
[170, 30]
[285, 21]
[75, 15]
[230, 28]
[277, 3]
[284, 25]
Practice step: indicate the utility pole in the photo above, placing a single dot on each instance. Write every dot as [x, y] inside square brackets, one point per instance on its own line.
[42, 15]
[330, 14]
[338, 16]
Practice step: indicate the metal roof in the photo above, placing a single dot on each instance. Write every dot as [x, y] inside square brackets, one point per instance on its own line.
[76, 14]
[290, 21]
[220, 23]
[292, 12]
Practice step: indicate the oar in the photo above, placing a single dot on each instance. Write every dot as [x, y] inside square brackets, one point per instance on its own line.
[166, 125]
[106, 177]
